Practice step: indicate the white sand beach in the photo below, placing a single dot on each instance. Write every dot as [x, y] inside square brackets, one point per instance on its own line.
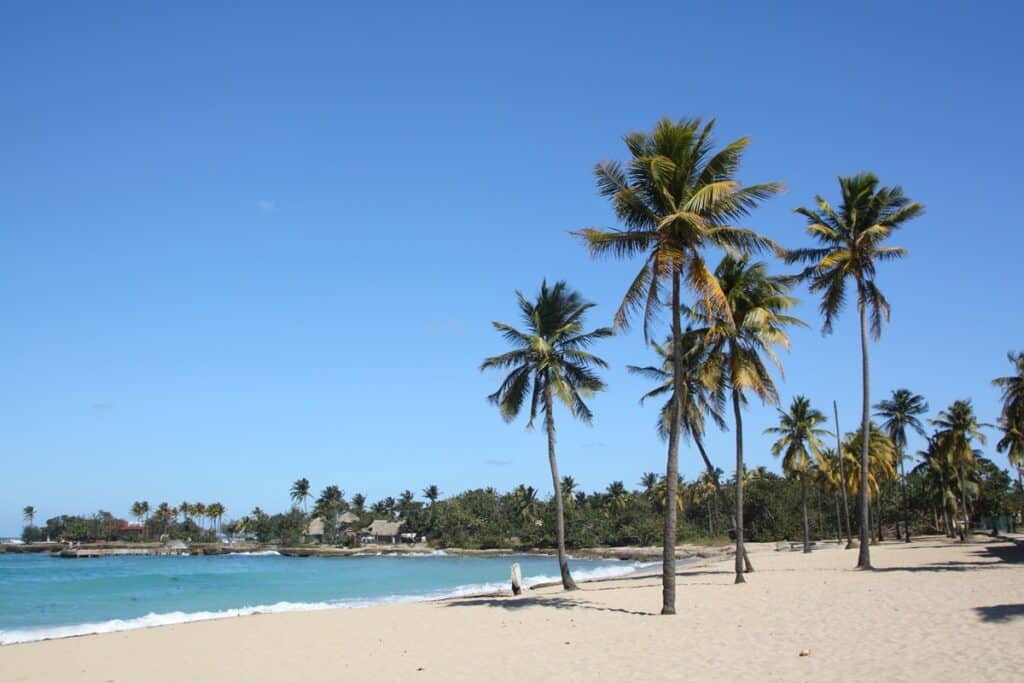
[934, 610]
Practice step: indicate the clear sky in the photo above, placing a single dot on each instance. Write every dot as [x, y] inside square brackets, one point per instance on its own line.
[243, 246]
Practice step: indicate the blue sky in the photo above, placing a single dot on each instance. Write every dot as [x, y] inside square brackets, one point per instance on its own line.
[242, 246]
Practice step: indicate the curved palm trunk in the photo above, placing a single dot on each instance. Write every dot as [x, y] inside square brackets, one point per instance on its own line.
[807, 524]
[864, 556]
[668, 545]
[720, 493]
[549, 422]
[741, 551]
[842, 480]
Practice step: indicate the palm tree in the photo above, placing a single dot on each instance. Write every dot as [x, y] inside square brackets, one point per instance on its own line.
[164, 515]
[898, 413]
[526, 503]
[937, 476]
[431, 493]
[215, 511]
[551, 355]
[359, 503]
[28, 513]
[1012, 444]
[1012, 387]
[842, 477]
[675, 197]
[199, 510]
[851, 244]
[703, 396]
[569, 487]
[616, 496]
[799, 442]
[957, 428]
[649, 479]
[138, 511]
[753, 324]
[185, 508]
[1011, 418]
[300, 493]
[881, 460]
[828, 477]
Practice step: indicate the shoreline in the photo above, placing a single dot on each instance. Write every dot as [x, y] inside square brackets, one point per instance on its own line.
[897, 622]
[96, 550]
[14, 637]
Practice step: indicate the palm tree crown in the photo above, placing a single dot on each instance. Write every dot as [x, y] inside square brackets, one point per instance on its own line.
[851, 244]
[551, 353]
[702, 392]
[900, 412]
[799, 441]
[675, 197]
[1012, 387]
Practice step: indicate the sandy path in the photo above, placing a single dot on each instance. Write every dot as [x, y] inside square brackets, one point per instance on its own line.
[934, 610]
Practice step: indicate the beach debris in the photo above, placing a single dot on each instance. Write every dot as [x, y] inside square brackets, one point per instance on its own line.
[517, 579]
[805, 652]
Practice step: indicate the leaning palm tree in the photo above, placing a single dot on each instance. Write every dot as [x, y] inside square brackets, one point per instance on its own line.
[851, 244]
[751, 325]
[28, 513]
[300, 493]
[552, 356]
[675, 197]
[703, 397]
[958, 428]
[897, 413]
[800, 446]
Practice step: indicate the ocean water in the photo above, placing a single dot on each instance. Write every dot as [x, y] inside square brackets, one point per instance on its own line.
[46, 597]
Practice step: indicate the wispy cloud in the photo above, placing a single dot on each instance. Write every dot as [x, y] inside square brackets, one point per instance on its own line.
[266, 205]
[102, 407]
[500, 463]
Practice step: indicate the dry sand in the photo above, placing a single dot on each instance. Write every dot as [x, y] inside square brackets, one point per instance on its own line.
[933, 611]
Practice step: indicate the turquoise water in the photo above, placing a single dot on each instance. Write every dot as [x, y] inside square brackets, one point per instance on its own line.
[46, 597]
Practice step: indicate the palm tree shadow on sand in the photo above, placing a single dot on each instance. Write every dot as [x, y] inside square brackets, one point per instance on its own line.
[1000, 614]
[547, 601]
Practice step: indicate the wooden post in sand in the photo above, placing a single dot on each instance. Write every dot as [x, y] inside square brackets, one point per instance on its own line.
[517, 579]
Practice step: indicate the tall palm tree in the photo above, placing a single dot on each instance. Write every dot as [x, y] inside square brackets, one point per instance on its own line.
[649, 479]
[703, 397]
[897, 413]
[185, 509]
[552, 356]
[199, 510]
[800, 446]
[1012, 443]
[359, 503]
[675, 197]
[851, 245]
[28, 513]
[937, 475]
[958, 428]
[751, 325]
[300, 493]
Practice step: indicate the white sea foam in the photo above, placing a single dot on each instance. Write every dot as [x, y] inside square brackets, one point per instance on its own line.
[258, 553]
[9, 637]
